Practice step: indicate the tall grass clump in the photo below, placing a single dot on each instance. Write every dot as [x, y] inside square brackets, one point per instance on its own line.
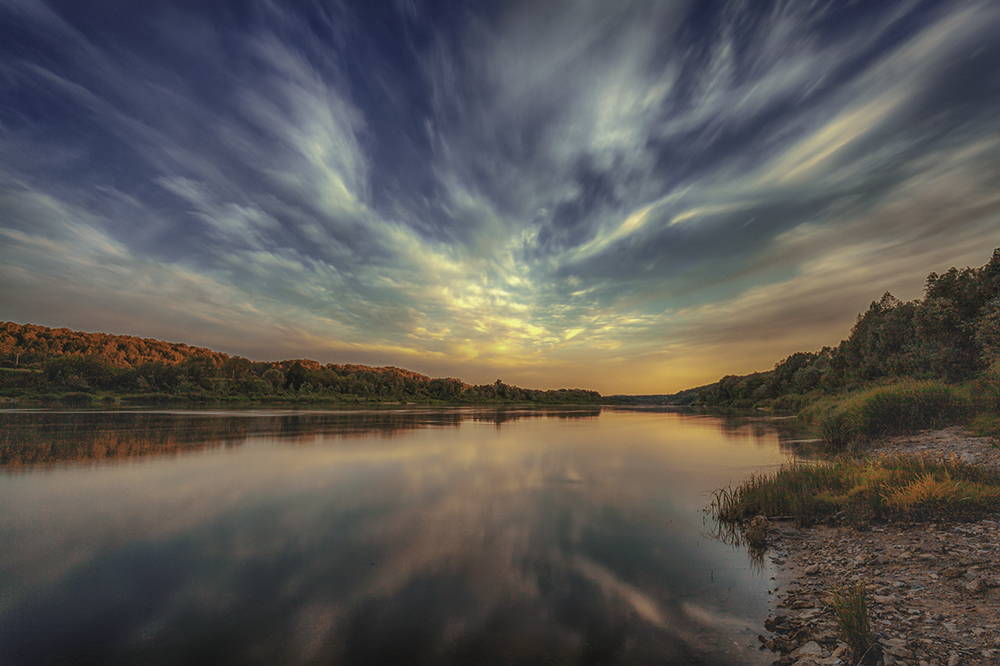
[850, 606]
[792, 490]
[893, 409]
[910, 488]
[987, 425]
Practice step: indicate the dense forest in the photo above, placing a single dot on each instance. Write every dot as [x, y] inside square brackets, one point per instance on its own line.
[952, 334]
[40, 364]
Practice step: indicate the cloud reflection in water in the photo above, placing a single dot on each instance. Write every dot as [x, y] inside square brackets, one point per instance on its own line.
[574, 539]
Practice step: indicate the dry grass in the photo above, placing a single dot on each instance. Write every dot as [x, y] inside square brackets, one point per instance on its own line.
[905, 487]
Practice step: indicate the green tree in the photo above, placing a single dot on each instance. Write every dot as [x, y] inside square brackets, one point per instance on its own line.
[295, 376]
[274, 377]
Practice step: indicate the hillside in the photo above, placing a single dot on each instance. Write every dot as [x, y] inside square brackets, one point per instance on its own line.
[58, 364]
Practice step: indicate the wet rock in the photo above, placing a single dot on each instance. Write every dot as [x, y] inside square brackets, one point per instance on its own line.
[810, 649]
[774, 622]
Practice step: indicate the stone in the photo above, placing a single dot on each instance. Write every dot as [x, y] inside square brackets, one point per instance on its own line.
[810, 649]
[976, 586]
[775, 621]
[818, 661]
[900, 652]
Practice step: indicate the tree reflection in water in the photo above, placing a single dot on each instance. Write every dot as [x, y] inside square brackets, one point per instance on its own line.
[30, 439]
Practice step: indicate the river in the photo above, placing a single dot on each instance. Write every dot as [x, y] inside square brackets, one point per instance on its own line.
[414, 536]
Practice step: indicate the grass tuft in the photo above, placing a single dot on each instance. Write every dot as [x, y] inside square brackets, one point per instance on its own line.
[850, 607]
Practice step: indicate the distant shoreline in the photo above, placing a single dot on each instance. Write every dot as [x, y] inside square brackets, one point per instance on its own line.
[41, 365]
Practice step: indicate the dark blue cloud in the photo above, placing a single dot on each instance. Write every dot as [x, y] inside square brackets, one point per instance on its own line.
[497, 178]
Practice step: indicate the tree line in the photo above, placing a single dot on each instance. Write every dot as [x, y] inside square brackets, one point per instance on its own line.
[951, 334]
[36, 360]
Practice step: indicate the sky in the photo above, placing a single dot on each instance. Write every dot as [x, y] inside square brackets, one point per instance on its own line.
[630, 197]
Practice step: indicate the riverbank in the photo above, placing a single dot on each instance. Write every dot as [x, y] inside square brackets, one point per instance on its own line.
[934, 588]
[288, 401]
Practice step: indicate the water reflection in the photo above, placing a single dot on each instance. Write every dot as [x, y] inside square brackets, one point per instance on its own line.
[38, 438]
[465, 537]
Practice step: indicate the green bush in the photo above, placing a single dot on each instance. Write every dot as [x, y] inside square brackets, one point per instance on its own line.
[78, 400]
[985, 394]
[987, 425]
[894, 409]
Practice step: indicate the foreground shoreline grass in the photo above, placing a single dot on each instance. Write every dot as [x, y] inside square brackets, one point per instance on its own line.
[862, 491]
[844, 485]
[842, 480]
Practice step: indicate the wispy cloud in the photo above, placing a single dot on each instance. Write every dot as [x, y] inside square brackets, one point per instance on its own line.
[625, 196]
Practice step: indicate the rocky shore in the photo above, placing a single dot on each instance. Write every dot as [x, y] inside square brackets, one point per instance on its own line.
[934, 588]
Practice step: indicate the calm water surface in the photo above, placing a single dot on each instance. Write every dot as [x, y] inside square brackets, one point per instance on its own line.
[438, 537]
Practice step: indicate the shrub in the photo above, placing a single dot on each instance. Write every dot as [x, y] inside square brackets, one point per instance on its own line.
[894, 409]
[77, 399]
[985, 393]
[987, 425]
